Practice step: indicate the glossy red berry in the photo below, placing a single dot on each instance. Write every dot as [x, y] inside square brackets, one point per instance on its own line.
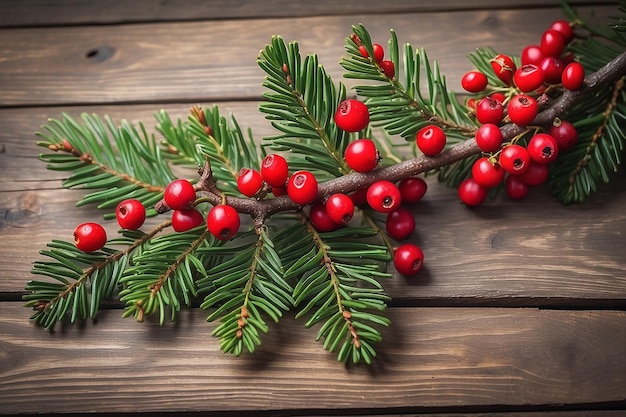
[487, 173]
[90, 237]
[412, 189]
[408, 259]
[179, 194]
[383, 196]
[362, 155]
[564, 28]
[489, 137]
[340, 208]
[388, 67]
[532, 55]
[515, 188]
[275, 170]
[302, 187]
[359, 197]
[543, 148]
[471, 193]
[504, 68]
[514, 159]
[564, 133]
[223, 221]
[431, 140]
[320, 219]
[183, 220]
[474, 81]
[522, 109]
[535, 174]
[352, 115]
[573, 76]
[400, 223]
[130, 214]
[552, 68]
[489, 110]
[528, 78]
[379, 52]
[249, 182]
[552, 43]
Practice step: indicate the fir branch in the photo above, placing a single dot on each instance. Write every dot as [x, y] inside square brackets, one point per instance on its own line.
[301, 104]
[164, 275]
[246, 285]
[340, 287]
[84, 280]
[119, 162]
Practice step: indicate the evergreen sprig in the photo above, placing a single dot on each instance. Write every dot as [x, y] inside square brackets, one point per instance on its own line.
[118, 162]
[300, 103]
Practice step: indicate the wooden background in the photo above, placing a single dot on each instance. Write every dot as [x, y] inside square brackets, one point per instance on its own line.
[520, 310]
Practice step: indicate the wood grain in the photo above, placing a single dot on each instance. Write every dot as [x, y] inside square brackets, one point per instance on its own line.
[431, 359]
[196, 61]
[51, 12]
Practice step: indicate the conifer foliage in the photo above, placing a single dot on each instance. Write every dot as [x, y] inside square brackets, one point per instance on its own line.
[293, 255]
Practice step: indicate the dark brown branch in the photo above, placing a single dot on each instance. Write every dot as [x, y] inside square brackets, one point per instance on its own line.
[262, 209]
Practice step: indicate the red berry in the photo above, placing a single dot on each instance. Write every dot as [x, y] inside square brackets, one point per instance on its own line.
[412, 189]
[408, 259]
[278, 191]
[90, 237]
[489, 137]
[130, 214]
[275, 170]
[552, 43]
[352, 115]
[486, 173]
[504, 68]
[340, 208]
[536, 173]
[302, 187]
[379, 52]
[362, 155]
[516, 189]
[543, 148]
[522, 109]
[389, 69]
[498, 97]
[431, 140]
[564, 133]
[400, 223]
[564, 28]
[532, 55]
[249, 182]
[320, 219]
[514, 159]
[528, 78]
[223, 221]
[179, 194]
[474, 81]
[489, 111]
[383, 196]
[573, 76]
[359, 197]
[552, 68]
[183, 220]
[471, 193]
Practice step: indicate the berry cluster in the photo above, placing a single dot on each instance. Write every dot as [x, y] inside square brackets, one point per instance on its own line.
[524, 161]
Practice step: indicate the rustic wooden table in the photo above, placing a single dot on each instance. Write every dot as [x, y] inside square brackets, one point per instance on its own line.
[519, 312]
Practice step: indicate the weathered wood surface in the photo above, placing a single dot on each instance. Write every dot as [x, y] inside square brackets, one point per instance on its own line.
[466, 339]
[431, 359]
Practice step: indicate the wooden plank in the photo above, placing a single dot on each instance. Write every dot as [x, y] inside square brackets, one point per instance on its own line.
[196, 61]
[50, 12]
[535, 252]
[432, 359]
